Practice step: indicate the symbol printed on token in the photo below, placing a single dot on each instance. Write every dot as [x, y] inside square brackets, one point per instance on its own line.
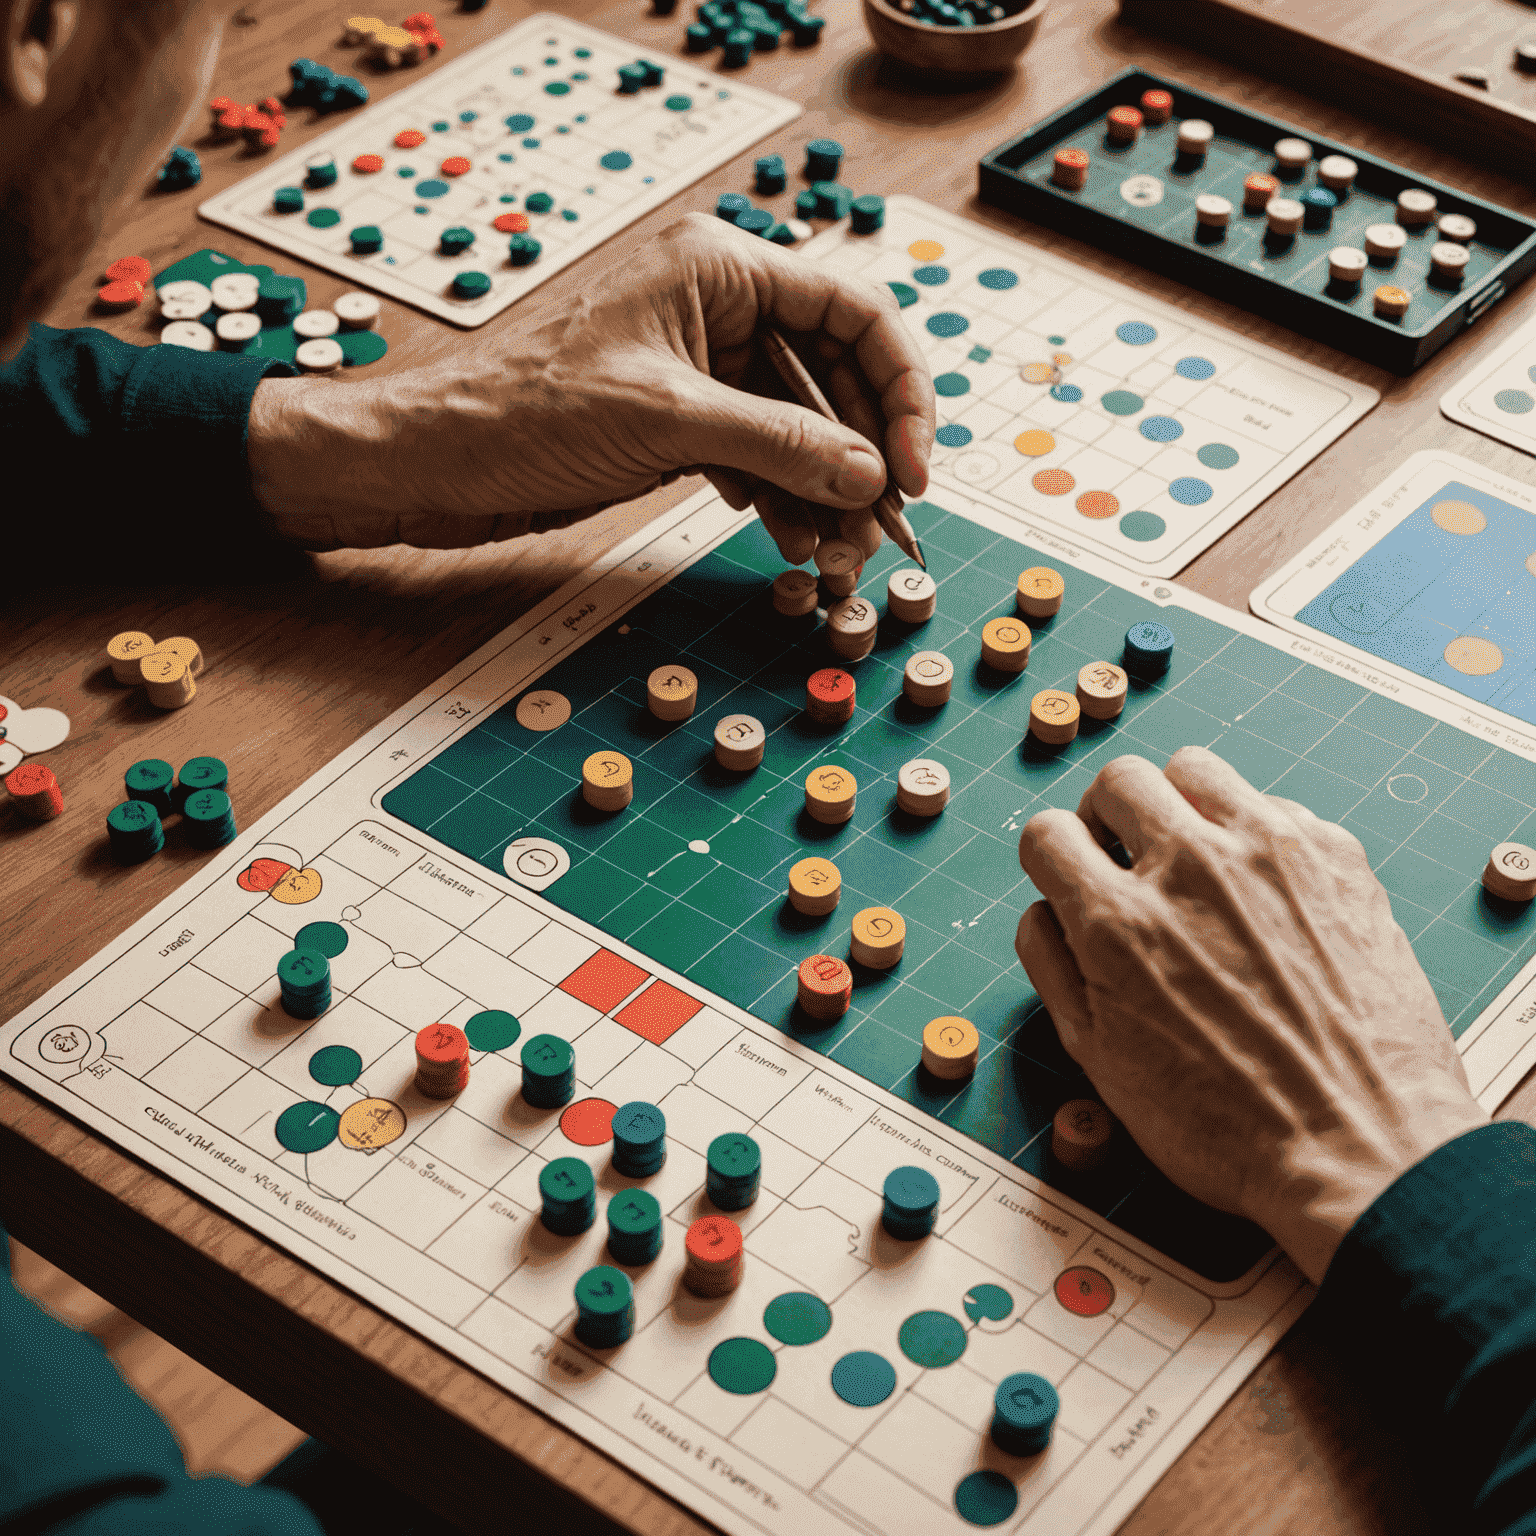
[536, 861]
[828, 970]
[1008, 634]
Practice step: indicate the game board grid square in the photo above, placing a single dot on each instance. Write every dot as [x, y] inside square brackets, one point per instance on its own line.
[1174, 724]
[1510, 775]
[1509, 924]
[1100, 635]
[985, 864]
[594, 886]
[1357, 755]
[678, 937]
[1485, 810]
[1454, 749]
[1421, 879]
[874, 1052]
[1381, 813]
[1260, 762]
[656, 853]
[1453, 954]
[729, 896]
[672, 618]
[953, 976]
[1474, 1007]
[686, 812]
[1257, 662]
[906, 1011]
[477, 824]
[658, 1012]
[567, 748]
[1325, 794]
[791, 750]
[870, 863]
[877, 684]
[929, 840]
[571, 822]
[636, 910]
[529, 785]
[880, 740]
[752, 548]
[937, 900]
[981, 593]
[896, 643]
[678, 754]
[1064, 792]
[1335, 696]
[424, 797]
[982, 688]
[1007, 1102]
[749, 845]
[475, 758]
[1448, 843]
[610, 718]
[741, 972]
[1222, 693]
[992, 804]
[1389, 720]
[604, 980]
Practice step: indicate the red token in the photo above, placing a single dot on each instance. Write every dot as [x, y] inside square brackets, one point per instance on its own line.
[35, 791]
[421, 21]
[454, 165]
[1125, 117]
[511, 223]
[1261, 181]
[367, 164]
[1077, 159]
[1157, 105]
[713, 1240]
[272, 105]
[128, 269]
[231, 120]
[409, 138]
[831, 685]
[589, 1122]
[269, 138]
[122, 294]
[221, 104]
[1084, 1291]
[439, 1045]
[825, 987]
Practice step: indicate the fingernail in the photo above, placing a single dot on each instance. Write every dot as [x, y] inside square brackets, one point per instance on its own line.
[859, 477]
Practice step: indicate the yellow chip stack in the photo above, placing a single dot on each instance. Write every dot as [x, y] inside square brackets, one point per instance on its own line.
[830, 794]
[671, 693]
[815, 885]
[1005, 645]
[167, 679]
[1039, 592]
[1101, 690]
[879, 936]
[951, 1047]
[125, 652]
[607, 781]
[1054, 716]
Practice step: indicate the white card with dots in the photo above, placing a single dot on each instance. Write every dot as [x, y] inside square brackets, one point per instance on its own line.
[1125, 425]
[1499, 396]
[526, 135]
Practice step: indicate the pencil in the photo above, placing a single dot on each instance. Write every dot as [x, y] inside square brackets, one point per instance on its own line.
[797, 378]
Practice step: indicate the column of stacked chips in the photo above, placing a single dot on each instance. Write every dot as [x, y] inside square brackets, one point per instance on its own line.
[713, 1247]
[35, 791]
[605, 1307]
[734, 1171]
[549, 1072]
[1024, 1410]
[742, 27]
[304, 978]
[569, 1196]
[639, 1140]
[634, 1227]
[134, 832]
[442, 1061]
[210, 819]
[911, 1203]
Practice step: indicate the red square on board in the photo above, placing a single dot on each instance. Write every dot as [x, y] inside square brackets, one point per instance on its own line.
[658, 1013]
[604, 981]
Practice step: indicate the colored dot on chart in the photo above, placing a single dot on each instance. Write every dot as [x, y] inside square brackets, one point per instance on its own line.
[798, 1317]
[589, 1122]
[335, 1065]
[616, 160]
[406, 170]
[742, 1366]
[1038, 373]
[979, 354]
[422, 208]
[1142, 527]
[439, 127]
[1189, 491]
[1516, 401]
[925, 250]
[582, 53]
[557, 88]
[952, 435]
[678, 103]
[1034, 443]
[468, 116]
[931, 277]
[563, 128]
[492, 1030]
[932, 1339]
[1161, 429]
[988, 1301]
[506, 159]
[906, 295]
[1121, 402]
[1053, 482]
[323, 218]
[1196, 368]
[307, 1127]
[569, 215]
[517, 69]
[1067, 394]
[549, 63]
[1217, 456]
[579, 74]
[519, 122]
[947, 323]
[951, 384]
[998, 277]
[1084, 1291]
[329, 938]
[985, 1498]
[581, 117]
[1136, 333]
[1057, 341]
[429, 188]
[863, 1378]
[530, 143]
[1098, 504]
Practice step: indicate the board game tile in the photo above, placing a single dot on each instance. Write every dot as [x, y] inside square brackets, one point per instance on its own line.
[594, 887]
[1324, 793]
[985, 864]
[1287, 722]
[1387, 817]
[677, 939]
[791, 935]
[649, 850]
[896, 643]
[1357, 755]
[1250, 658]
[1224, 693]
[992, 804]
[1452, 953]
[531, 786]
[986, 690]
[1389, 720]
[1505, 923]
[677, 752]
[474, 758]
[741, 971]
[930, 840]
[879, 683]
[1065, 791]
[1421, 879]
[875, 1052]
[658, 1012]
[1099, 636]
[966, 540]
[978, 738]
[953, 977]
[603, 981]
[635, 911]
[424, 797]
[1485, 810]
[1451, 844]
[1511, 776]
[936, 901]
[908, 1011]
[1260, 762]
[991, 935]
[730, 896]
[685, 811]
[800, 741]
[1335, 696]
[1008, 1101]
[477, 824]
[980, 594]
[611, 718]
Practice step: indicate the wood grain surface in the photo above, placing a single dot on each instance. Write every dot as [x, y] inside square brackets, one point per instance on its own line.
[298, 668]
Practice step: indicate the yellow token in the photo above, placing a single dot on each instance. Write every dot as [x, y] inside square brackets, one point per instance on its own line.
[1005, 645]
[830, 792]
[951, 1047]
[297, 887]
[879, 936]
[1101, 689]
[671, 693]
[189, 651]
[1391, 301]
[167, 679]
[370, 1123]
[542, 709]
[1040, 592]
[814, 886]
[607, 781]
[125, 652]
[1053, 716]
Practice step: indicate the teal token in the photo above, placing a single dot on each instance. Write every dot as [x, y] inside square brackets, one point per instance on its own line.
[307, 1127]
[906, 294]
[569, 1195]
[951, 384]
[492, 1030]
[471, 285]
[133, 817]
[985, 1498]
[679, 103]
[328, 939]
[455, 240]
[604, 1292]
[634, 1226]
[201, 773]
[805, 204]
[367, 240]
[863, 1378]
[1148, 646]
[210, 818]
[734, 1171]
[288, 200]
[303, 971]
[867, 214]
[987, 1301]
[523, 250]
[323, 218]
[279, 299]
[134, 832]
[742, 1366]
[335, 1065]
[549, 1071]
[359, 347]
[911, 1203]
[731, 205]
[798, 1317]
[756, 221]
[1024, 1410]
[932, 1339]
[150, 781]
[538, 202]
[616, 160]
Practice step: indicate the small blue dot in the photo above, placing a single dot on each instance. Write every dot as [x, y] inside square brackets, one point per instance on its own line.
[1161, 429]
[439, 127]
[551, 61]
[1530, 373]
[722, 95]
[1190, 492]
[1136, 333]
[563, 128]
[952, 435]
[931, 277]
[647, 180]
[569, 215]
[1515, 401]
[421, 208]
[431, 188]
[581, 74]
[1196, 368]
[947, 323]
[581, 117]
[506, 159]
[590, 191]
[530, 143]
[616, 160]
[406, 170]
[582, 53]
[507, 197]
[1068, 394]
[951, 384]
[468, 117]
[998, 277]
[520, 122]
[517, 69]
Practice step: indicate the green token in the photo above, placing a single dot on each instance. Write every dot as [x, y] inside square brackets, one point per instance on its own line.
[932, 1339]
[455, 241]
[797, 1317]
[288, 200]
[359, 347]
[987, 1301]
[548, 1056]
[307, 1127]
[565, 1181]
[604, 1291]
[471, 285]
[742, 1366]
[366, 238]
[523, 250]
[335, 1065]
[303, 970]
[986, 1498]
[538, 202]
[132, 816]
[734, 1156]
[492, 1030]
[906, 294]
[328, 939]
[149, 780]
[633, 1212]
[203, 773]
[323, 218]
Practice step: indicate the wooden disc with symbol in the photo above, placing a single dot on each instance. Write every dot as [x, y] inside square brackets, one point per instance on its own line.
[124, 653]
[186, 648]
[1081, 1133]
[542, 709]
[167, 679]
[607, 781]
[922, 787]
[1039, 592]
[739, 742]
[1511, 872]
[911, 595]
[1053, 716]
[829, 696]
[1005, 645]
[814, 886]
[830, 793]
[825, 987]
[370, 1123]
[879, 936]
[671, 693]
[840, 563]
[851, 626]
[951, 1047]
[1101, 689]
[927, 678]
[794, 593]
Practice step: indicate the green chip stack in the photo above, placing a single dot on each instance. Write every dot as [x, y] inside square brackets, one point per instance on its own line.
[367, 240]
[569, 1196]
[639, 1140]
[833, 200]
[911, 1203]
[1024, 1410]
[210, 819]
[634, 1227]
[199, 773]
[304, 975]
[150, 781]
[734, 1172]
[471, 285]
[549, 1072]
[605, 1307]
[523, 250]
[456, 240]
[134, 831]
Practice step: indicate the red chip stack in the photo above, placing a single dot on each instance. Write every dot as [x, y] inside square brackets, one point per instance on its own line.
[713, 1245]
[423, 27]
[442, 1061]
[126, 281]
[36, 791]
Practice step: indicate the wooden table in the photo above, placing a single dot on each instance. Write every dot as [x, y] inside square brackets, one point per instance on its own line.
[299, 669]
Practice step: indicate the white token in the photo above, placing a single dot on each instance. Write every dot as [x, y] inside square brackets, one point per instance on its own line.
[922, 787]
[319, 356]
[1448, 261]
[1213, 211]
[739, 742]
[1415, 206]
[1384, 241]
[1346, 264]
[238, 328]
[927, 678]
[799, 229]
[911, 595]
[794, 593]
[183, 309]
[235, 291]
[186, 291]
[1293, 155]
[357, 311]
[315, 323]
[1337, 172]
[1284, 215]
[190, 334]
[851, 626]
[1457, 227]
[1195, 135]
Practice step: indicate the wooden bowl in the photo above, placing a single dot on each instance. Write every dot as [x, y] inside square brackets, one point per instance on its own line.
[988, 50]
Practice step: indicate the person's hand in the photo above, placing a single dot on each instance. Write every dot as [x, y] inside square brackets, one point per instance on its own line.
[1241, 996]
[650, 375]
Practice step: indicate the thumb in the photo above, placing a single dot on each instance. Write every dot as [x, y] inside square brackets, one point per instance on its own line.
[789, 446]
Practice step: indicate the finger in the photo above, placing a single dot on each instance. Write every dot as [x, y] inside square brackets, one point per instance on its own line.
[1068, 868]
[1214, 787]
[1133, 802]
[789, 522]
[1053, 971]
[735, 490]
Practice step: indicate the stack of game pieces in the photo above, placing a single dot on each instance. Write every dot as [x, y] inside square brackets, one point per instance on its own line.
[1024, 1410]
[198, 773]
[1148, 648]
[911, 1203]
[569, 1196]
[713, 1246]
[134, 832]
[639, 1140]
[304, 978]
[318, 86]
[634, 1226]
[126, 279]
[35, 791]
[734, 1171]
[549, 1072]
[150, 780]
[415, 39]
[442, 1061]
[742, 27]
[182, 169]
[605, 1308]
[867, 214]
[824, 987]
[210, 818]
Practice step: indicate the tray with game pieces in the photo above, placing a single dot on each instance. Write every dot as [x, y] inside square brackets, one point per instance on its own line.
[1327, 239]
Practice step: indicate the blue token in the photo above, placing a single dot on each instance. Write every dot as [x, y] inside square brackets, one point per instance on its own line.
[931, 276]
[616, 160]
[947, 323]
[431, 188]
[1068, 394]
[863, 1378]
[1161, 429]
[1148, 646]
[1217, 455]
[952, 435]
[1197, 368]
[998, 277]
[1190, 491]
[1136, 333]
[951, 384]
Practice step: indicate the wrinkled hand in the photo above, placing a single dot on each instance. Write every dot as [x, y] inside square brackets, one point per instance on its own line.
[651, 375]
[1241, 997]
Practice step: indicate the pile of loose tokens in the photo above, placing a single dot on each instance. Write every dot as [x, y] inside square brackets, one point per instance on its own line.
[199, 793]
[167, 669]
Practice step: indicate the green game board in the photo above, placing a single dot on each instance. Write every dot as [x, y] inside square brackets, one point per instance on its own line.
[721, 917]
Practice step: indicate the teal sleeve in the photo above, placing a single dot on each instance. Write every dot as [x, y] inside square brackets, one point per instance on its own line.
[1433, 1294]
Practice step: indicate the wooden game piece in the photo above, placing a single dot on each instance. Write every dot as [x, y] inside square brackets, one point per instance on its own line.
[235, 292]
[1457, 227]
[1212, 212]
[167, 679]
[911, 595]
[794, 593]
[124, 653]
[442, 1061]
[607, 781]
[714, 1256]
[1415, 207]
[733, 1171]
[1053, 716]
[237, 330]
[824, 987]
[150, 780]
[739, 743]
[839, 562]
[1391, 301]
[1195, 135]
[1081, 1133]
[188, 297]
[35, 791]
[1346, 264]
[357, 311]
[1039, 591]
[1122, 125]
[830, 695]
[1384, 242]
[313, 324]
[188, 649]
[1292, 157]
[542, 709]
[830, 794]
[672, 692]
[815, 885]
[1448, 263]
[567, 1197]
[1337, 173]
[1101, 690]
[1024, 1410]
[1069, 169]
[852, 624]
[1525, 58]
[189, 334]
[1317, 207]
[879, 937]
[1283, 216]
[1258, 189]
[1510, 872]
[324, 355]
[951, 1047]
[927, 678]
[1156, 106]
[1005, 644]
[134, 832]
[922, 787]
